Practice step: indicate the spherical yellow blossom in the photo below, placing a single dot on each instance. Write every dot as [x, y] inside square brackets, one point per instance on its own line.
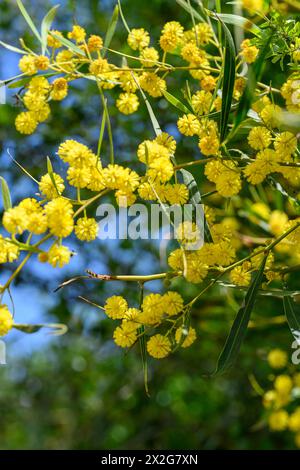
[125, 198]
[39, 85]
[27, 64]
[42, 62]
[128, 81]
[201, 102]
[153, 304]
[167, 141]
[229, 184]
[149, 56]
[269, 399]
[171, 36]
[277, 358]
[149, 151]
[78, 34]
[294, 421]
[176, 259]
[97, 180]
[285, 144]
[196, 271]
[270, 115]
[9, 252]
[185, 336]
[95, 43]
[86, 229]
[132, 316]
[116, 307]
[59, 213]
[158, 346]
[204, 33]
[52, 41]
[249, 52]
[65, 62]
[125, 335]
[26, 122]
[161, 170]
[48, 188]
[15, 220]
[208, 83]
[173, 303]
[127, 103]
[278, 420]
[118, 177]
[59, 89]
[152, 84]
[277, 222]
[240, 277]
[188, 124]
[78, 177]
[76, 154]
[291, 93]
[239, 87]
[138, 39]
[283, 384]
[177, 194]
[209, 145]
[259, 138]
[6, 320]
[59, 256]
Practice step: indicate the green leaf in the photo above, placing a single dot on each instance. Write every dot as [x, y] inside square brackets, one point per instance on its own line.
[228, 80]
[176, 102]
[12, 48]
[240, 21]
[254, 74]
[20, 83]
[28, 19]
[185, 5]
[46, 25]
[51, 174]
[292, 318]
[72, 47]
[58, 329]
[240, 324]
[5, 194]
[111, 29]
[195, 198]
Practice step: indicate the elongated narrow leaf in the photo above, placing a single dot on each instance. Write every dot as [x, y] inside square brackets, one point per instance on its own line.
[195, 199]
[240, 21]
[12, 48]
[185, 5]
[292, 316]
[254, 75]
[176, 102]
[57, 329]
[28, 20]
[5, 194]
[72, 47]
[240, 324]
[228, 80]
[46, 25]
[111, 28]
[51, 174]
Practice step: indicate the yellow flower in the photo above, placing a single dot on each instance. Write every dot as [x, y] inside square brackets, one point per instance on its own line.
[59, 214]
[259, 138]
[209, 145]
[52, 41]
[95, 43]
[188, 124]
[27, 65]
[138, 39]
[270, 115]
[116, 307]
[277, 358]
[285, 144]
[278, 420]
[59, 256]
[64, 60]
[176, 260]
[6, 320]
[201, 102]
[283, 384]
[39, 85]
[153, 84]
[277, 222]
[249, 53]
[76, 154]
[26, 122]
[9, 252]
[173, 303]
[294, 421]
[125, 335]
[48, 189]
[15, 220]
[42, 62]
[149, 56]
[77, 33]
[59, 89]
[253, 6]
[208, 83]
[127, 103]
[86, 229]
[128, 81]
[186, 335]
[240, 276]
[177, 194]
[196, 271]
[256, 260]
[158, 346]
[167, 141]
[161, 170]
[171, 36]
[79, 177]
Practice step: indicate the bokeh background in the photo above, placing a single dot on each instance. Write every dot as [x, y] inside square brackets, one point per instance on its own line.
[80, 391]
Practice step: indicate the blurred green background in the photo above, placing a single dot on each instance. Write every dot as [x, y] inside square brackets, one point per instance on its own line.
[80, 391]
